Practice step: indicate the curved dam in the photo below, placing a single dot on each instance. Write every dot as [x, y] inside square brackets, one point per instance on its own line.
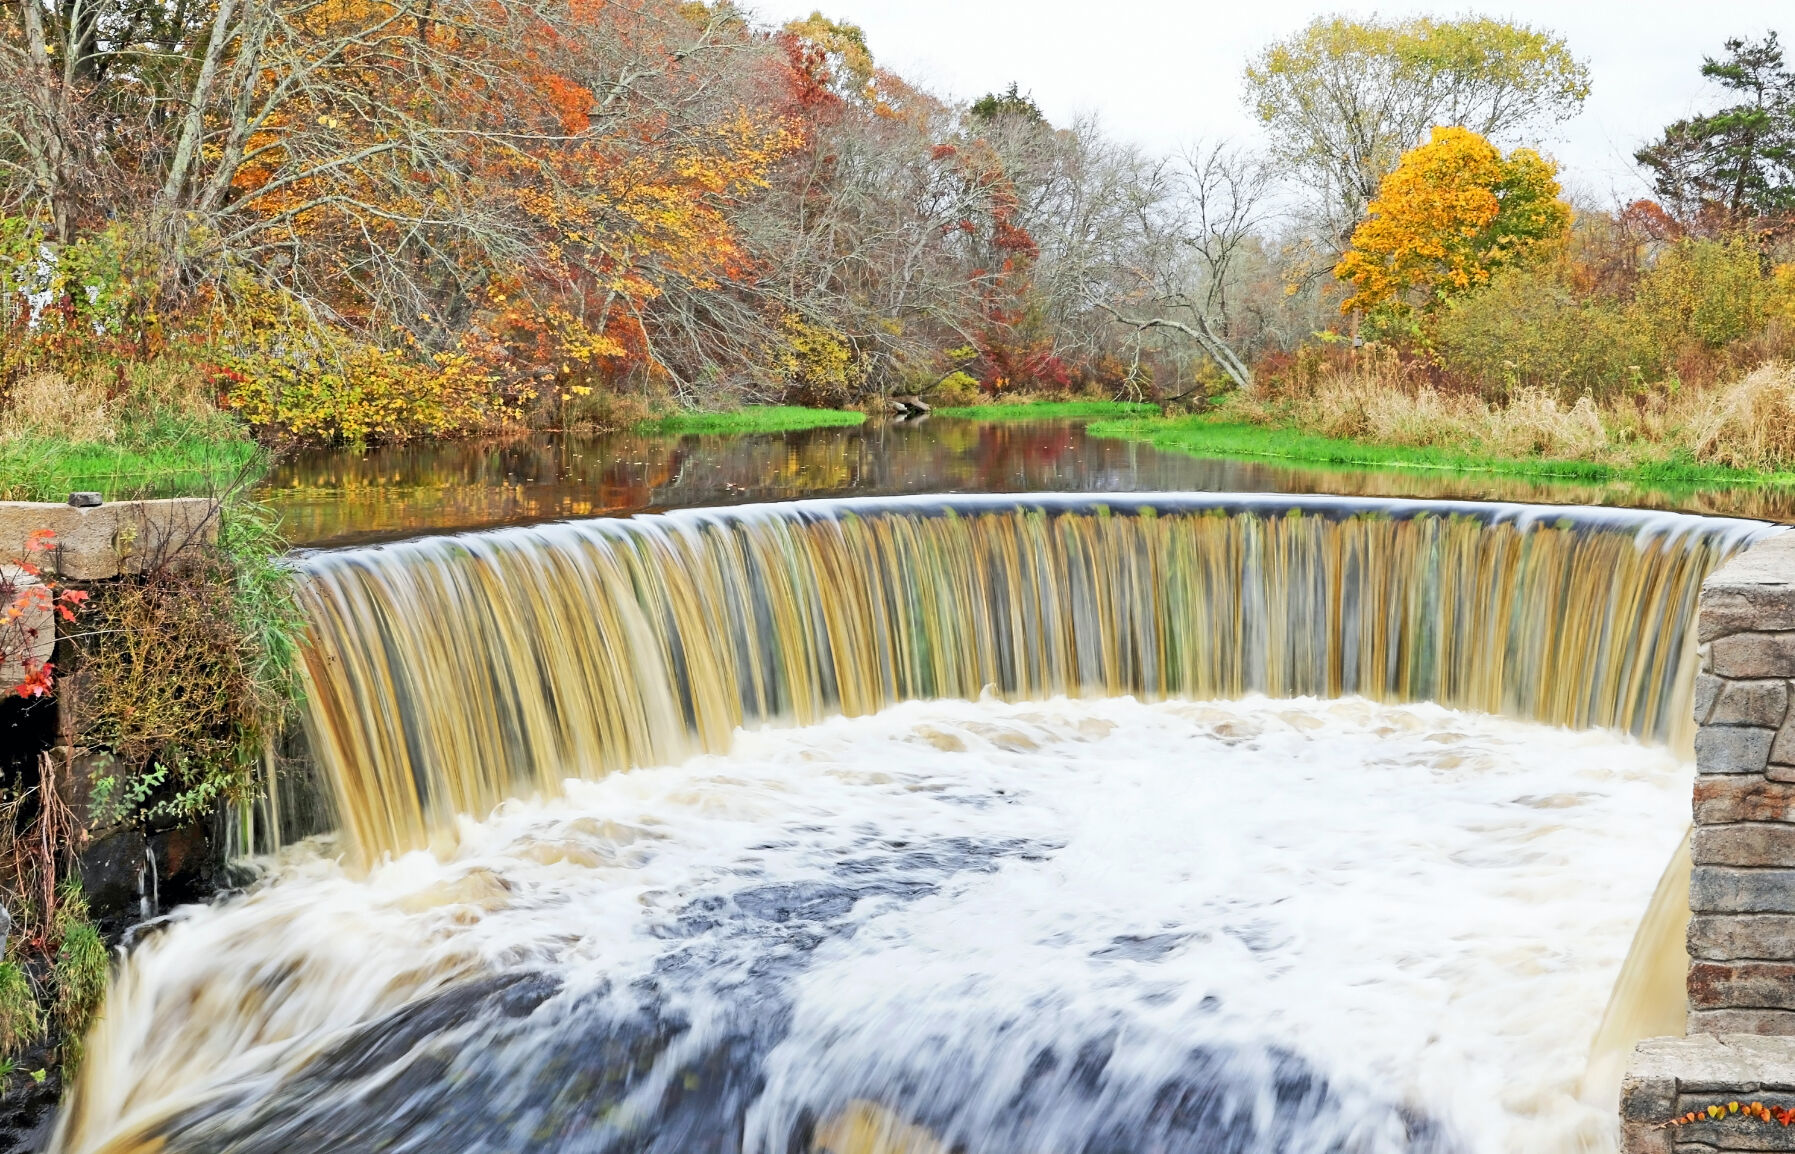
[448, 673]
[991, 824]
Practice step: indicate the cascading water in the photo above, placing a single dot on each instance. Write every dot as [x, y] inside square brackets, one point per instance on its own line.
[450, 673]
[1032, 921]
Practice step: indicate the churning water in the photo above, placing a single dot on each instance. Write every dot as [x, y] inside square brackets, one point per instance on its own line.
[1060, 927]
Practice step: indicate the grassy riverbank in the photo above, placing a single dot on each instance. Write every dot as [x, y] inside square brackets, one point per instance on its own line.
[1211, 436]
[41, 469]
[161, 435]
[754, 419]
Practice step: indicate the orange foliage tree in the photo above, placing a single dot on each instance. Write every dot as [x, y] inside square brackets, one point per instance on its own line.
[1452, 212]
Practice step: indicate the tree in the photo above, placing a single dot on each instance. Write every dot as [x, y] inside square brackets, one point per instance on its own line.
[1010, 102]
[1453, 211]
[1343, 99]
[1737, 163]
[1196, 219]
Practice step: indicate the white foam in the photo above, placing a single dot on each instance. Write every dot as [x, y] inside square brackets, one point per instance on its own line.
[1429, 906]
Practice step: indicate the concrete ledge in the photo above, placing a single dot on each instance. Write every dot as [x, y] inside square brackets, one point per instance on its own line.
[1753, 593]
[1669, 1077]
[108, 540]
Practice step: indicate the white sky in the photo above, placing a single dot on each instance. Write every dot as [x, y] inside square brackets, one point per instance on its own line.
[1166, 72]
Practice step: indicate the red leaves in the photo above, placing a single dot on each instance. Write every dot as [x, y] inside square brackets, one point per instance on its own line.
[38, 680]
[69, 602]
[22, 606]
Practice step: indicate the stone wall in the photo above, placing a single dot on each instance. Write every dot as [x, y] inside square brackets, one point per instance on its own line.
[1742, 891]
[1741, 1043]
[30, 638]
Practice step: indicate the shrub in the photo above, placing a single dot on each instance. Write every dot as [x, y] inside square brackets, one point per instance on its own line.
[1705, 292]
[285, 372]
[1529, 330]
[187, 671]
[818, 365]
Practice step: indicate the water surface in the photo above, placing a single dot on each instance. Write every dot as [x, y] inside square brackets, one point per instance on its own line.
[349, 496]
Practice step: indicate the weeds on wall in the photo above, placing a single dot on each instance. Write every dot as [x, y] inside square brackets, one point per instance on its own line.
[55, 966]
[176, 679]
[185, 674]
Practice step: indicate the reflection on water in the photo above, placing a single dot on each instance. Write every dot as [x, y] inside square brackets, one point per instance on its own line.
[341, 497]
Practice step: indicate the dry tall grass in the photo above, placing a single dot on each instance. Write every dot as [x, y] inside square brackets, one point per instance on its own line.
[1533, 423]
[52, 405]
[1750, 425]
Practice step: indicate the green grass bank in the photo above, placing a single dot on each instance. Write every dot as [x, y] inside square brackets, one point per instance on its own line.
[1208, 436]
[754, 419]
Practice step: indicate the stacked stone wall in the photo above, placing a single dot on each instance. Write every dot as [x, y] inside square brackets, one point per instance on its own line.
[1740, 1046]
[1742, 890]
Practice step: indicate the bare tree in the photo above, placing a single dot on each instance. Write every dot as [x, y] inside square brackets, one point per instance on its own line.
[1196, 219]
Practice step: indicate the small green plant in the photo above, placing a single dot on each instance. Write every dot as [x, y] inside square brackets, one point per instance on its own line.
[79, 972]
[21, 1021]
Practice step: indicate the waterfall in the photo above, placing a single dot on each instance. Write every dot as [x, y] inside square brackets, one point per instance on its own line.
[1177, 923]
[448, 674]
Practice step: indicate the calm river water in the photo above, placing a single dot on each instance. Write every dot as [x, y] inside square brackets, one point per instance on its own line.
[346, 496]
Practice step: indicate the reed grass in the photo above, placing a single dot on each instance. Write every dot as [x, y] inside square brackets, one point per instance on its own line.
[1378, 409]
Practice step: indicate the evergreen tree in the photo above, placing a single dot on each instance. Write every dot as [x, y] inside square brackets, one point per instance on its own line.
[1738, 163]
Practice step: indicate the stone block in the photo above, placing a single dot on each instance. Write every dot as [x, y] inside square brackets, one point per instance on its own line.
[1705, 1063]
[1741, 937]
[1707, 692]
[1769, 1023]
[1744, 844]
[1728, 985]
[32, 638]
[1733, 1133]
[1782, 750]
[92, 544]
[1755, 655]
[1733, 748]
[1728, 890]
[1755, 591]
[1668, 1077]
[1723, 798]
[1764, 703]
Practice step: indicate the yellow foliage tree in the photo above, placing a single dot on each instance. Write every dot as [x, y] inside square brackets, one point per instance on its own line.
[1452, 212]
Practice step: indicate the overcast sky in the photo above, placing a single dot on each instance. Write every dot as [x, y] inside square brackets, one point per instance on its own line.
[1165, 72]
